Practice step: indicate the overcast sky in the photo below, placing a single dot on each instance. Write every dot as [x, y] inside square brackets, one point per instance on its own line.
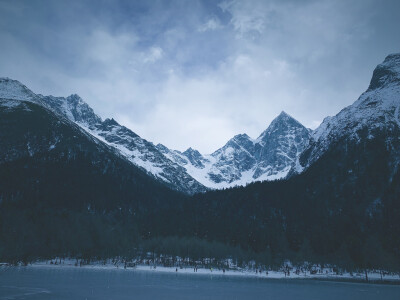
[195, 73]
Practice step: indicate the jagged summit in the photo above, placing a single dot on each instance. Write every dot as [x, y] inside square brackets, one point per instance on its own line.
[191, 151]
[242, 140]
[110, 122]
[284, 114]
[282, 123]
[386, 73]
[14, 90]
[161, 147]
[194, 157]
[243, 160]
[242, 137]
[73, 107]
[284, 117]
[375, 110]
[239, 141]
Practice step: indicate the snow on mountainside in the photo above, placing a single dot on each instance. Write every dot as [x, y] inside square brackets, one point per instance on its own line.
[14, 90]
[137, 150]
[377, 108]
[285, 147]
[243, 160]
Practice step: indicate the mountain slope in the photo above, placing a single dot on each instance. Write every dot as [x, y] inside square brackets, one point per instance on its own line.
[63, 190]
[137, 150]
[240, 161]
[377, 110]
[280, 145]
[243, 160]
[344, 207]
[34, 138]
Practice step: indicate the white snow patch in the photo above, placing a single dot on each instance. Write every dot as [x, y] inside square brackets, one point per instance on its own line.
[133, 156]
[14, 90]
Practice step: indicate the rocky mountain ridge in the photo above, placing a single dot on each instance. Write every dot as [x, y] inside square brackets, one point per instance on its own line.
[138, 151]
[241, 161]
[376, 109]
[285, 148]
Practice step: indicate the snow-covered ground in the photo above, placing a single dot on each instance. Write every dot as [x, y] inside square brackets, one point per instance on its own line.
[325, 273]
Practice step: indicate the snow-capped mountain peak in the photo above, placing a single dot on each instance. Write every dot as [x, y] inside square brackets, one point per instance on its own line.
[73, 107]
[243, 160]
[195, 158]
[282, 122]
[375, 109]
[386, 73]
[239, 141]
[14, 90]
[243, 140]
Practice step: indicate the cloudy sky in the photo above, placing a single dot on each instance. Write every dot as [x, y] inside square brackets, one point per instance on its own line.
[195, 73]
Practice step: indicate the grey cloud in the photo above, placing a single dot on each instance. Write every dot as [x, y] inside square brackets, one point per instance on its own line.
[195, 75]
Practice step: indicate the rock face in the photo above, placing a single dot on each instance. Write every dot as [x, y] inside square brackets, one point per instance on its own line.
[280, 145]
[243, 160]
[376, 111]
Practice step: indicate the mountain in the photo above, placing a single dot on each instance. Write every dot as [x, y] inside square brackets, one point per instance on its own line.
[243, 160]
[240, 161]
[137, 150]
[376, 112]
[280, 145]
[36, 143]
[342, 207]
[63, 192]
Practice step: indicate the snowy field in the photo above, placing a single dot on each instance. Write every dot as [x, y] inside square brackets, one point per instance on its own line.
[325, 273]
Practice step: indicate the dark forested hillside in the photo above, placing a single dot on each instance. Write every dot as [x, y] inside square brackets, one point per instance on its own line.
[63, 192]
[343, 209]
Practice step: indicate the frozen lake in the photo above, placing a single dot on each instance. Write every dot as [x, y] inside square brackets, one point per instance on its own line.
[81, 283]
